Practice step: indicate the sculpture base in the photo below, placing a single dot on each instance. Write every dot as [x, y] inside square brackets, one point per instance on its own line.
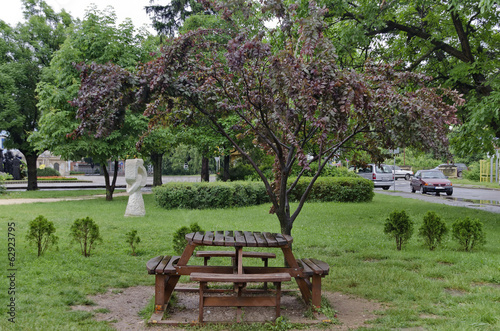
[135, 206]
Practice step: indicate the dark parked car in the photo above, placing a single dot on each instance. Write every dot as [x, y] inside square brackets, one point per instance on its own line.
[431, 181]
[460, 167]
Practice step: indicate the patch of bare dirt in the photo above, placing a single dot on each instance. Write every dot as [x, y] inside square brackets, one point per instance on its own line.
[121, 307]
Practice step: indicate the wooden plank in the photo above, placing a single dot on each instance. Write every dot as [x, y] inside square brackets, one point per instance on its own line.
[250, 239]
[271, 241]
[288, 238]
[262, 255]
[239, 239]
[208, 239]
[226, 301]
[189, 236]
[170, 268]
[239, 278]
[162, 264]
[229, 239]
[198, 237]
[153, 263]
[307, 270]
[323, 265]
[259, 238]
[317, 270]
[280, 239]
[219, 238]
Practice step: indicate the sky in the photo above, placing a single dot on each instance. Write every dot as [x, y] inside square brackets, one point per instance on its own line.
[11, 10]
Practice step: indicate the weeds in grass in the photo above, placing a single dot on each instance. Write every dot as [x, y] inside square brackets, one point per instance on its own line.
[133, 240]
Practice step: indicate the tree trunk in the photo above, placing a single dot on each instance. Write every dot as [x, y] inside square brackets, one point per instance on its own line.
[225, 168]
[31, 163]
[157, 160]
[110, 187]
[205, 174]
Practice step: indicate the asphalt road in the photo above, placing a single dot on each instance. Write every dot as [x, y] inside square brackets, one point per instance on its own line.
[484, 199]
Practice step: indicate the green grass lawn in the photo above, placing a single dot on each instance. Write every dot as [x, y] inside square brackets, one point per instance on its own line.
[473, 183]
[444, 289]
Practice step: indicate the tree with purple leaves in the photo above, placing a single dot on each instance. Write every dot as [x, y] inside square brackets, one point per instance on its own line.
[286, 91]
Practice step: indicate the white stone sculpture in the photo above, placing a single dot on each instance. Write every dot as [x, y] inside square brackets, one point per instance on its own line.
[135, 176]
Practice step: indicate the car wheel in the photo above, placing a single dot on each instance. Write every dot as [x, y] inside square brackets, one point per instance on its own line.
[412, 189]
[422, 189]
[407, 176]
[450, 192]
[459, 174]
[386, 187]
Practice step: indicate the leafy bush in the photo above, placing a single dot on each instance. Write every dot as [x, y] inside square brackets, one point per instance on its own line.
[133, 240]
[340, 189]
[86, 232]
[41, 233]
[400, 226]
[179, 240]
[241, 193]
[5, 176]
[210, 195]
[473, 173]
[47, 171]
[469, 233]
[432, 230]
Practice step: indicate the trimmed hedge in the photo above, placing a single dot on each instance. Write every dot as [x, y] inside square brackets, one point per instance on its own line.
[339, 189]
[243, 193]
[210, 195]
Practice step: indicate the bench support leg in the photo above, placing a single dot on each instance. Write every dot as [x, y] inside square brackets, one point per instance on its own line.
[160, 282]
[316, 291]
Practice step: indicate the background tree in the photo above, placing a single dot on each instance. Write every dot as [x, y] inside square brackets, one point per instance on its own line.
[168, 19]
[97, 38]
[25, 50]
[289, 99]
[455, 42]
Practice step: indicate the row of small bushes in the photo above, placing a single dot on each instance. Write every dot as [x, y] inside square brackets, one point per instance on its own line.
[47, 172]
[467, 232]
[84, 231]
[241, 193]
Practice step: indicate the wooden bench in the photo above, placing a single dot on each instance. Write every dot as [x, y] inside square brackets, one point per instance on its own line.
[206, 255]
[239, 300]
[163, 268]
[314, 270]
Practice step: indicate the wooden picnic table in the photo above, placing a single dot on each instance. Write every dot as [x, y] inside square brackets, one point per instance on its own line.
[303, 270]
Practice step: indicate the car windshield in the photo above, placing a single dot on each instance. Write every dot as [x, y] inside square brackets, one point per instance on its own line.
[433, 174]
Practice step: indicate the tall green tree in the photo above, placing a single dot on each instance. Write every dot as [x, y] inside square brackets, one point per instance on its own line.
[168, 18]
[456, 42]
[26, 50]
[97, 39]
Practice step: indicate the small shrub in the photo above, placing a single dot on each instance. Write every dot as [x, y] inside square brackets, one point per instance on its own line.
[400, 226]
[41, 233]
[432, 230]
[179, 240]
[133, 240]
[469, 233]
[473, 173]
[86, 232]
[46, 172]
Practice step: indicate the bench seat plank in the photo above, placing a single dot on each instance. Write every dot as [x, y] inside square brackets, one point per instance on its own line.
[153, 263]
[161, 266]
[240, 278]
